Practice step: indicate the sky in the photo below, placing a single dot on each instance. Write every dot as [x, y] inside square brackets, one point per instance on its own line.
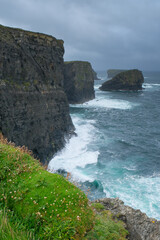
[121, 34]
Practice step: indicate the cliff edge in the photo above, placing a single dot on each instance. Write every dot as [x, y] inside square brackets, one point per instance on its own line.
[34, 110]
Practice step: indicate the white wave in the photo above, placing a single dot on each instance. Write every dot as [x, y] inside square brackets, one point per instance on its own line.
[96, 87]
[106, 103]
[76, 154]
[140, 193]
[150, 85]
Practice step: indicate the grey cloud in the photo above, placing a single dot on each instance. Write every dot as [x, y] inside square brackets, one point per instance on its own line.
[109, 34]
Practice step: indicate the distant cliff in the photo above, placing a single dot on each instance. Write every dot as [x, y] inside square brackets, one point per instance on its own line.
[78, 81]
[113, 72]
[95, 76]
[128, 80]
[34, 109]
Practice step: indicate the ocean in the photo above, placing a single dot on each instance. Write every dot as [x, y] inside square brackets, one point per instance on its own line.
[116, 152]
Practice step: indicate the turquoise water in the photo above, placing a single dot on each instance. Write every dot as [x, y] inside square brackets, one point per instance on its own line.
[117, 149]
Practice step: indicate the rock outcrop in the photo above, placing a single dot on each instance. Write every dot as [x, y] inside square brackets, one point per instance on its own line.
[140, 226]
[113, 72]
[34, 110]
[78, 81]
[128, 80]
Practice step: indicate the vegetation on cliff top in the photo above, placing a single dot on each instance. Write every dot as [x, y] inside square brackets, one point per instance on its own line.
[37, 204]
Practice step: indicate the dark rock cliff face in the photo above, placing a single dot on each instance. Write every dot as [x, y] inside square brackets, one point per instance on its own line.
[34, 109]
[128, 80]
[78, 81]
[113, 72]
[140, 226]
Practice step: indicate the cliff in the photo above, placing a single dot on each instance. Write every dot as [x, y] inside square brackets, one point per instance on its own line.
[34, 109]
[113, 72]
[139, 226]
[78, 81]
[128, 80]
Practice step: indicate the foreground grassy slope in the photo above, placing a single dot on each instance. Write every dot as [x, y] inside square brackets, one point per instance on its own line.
[47, 204]
[35, 204]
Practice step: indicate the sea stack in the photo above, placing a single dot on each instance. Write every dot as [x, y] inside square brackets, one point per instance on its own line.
[128, 80]
[34, 110]
[78, 81]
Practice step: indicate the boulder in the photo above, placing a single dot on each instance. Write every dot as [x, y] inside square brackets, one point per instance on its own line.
[34, 110]
[78, 81]
[128, 80]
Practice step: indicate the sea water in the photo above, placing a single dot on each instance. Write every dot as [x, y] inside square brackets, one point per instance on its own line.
[116, 152]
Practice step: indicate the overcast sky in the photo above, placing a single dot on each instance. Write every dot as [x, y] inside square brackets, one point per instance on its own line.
[108, 33]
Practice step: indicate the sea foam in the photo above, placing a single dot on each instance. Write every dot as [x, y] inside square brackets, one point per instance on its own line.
[137, 192]
[104, 102]
[76, 155]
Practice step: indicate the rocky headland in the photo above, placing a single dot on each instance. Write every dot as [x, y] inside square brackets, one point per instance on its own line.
[78, 81]
[128, 80]
[139, 226]
[113, 72]
[34, 110]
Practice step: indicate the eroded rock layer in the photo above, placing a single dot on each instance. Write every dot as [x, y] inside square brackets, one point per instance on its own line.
[34, 109]
[79, 81]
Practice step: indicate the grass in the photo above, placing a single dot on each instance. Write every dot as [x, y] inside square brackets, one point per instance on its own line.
[106, 228]
[12, 229]
[36, 204]
[47, 204]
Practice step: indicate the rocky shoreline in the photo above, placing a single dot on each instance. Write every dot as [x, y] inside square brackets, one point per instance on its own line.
[138, 224]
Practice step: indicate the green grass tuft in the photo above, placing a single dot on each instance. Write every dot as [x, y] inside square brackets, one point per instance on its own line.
[106, 228]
